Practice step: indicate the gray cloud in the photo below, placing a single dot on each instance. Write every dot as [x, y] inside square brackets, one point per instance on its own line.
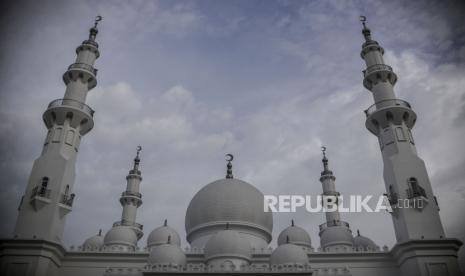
[269, 83]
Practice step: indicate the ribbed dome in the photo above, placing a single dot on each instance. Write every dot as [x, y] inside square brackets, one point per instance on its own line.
[120, 235]
[160, 236]
[167, 254]
[366, 243]
[296, 235]
[288, 253]
[228, 243]
[228, 200]
[336, 235]
[93, 242]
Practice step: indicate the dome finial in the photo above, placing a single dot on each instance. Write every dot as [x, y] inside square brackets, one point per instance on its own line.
[165, 223]
[229, 158]
[292, 222]
[358, 232]
[100, 232]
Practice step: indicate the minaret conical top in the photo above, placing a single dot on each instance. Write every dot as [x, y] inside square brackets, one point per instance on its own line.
[326, 170]
[94, 31]
[137, 158]
[365, 31]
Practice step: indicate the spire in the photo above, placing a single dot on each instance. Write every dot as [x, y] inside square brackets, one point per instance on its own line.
[326, 170]
[358, 232]
[229, 158]
[137, 160]
[292, 223]
[365, 31]
[165, 223]
[94, 31]
[100, 232]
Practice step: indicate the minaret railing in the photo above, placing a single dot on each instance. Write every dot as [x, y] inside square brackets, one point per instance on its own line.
[385, 103]
[71, 103]
[376, 67]
[85, 66]
[333, 223]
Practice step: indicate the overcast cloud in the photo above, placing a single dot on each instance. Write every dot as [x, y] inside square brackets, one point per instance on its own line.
[269, 81]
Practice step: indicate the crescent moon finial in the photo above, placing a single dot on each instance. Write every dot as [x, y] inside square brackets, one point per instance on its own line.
[139, 149]
[98, 18]
[229, 157]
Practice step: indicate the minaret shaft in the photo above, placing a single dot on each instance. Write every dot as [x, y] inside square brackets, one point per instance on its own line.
[405, 175]
[48, 197]
[131, 199]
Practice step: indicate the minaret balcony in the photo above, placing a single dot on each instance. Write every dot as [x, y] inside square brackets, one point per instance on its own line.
[416, 191]
[137, 227]
[85, 72]
[40, 197]
[325, 225]
[65, 204]
[77, 112]
[388, 111]
[72, 103]
[129, 223]
[67, 199]
[83, 66]
[131, 194]
[129, 197]
[376, 73]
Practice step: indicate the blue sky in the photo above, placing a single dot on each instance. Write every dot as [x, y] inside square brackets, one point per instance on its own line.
[270, 81]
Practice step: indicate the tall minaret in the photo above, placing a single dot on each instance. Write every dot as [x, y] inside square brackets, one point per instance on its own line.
[328, 237]
[405, 175]
[131, 199]
[48, 197]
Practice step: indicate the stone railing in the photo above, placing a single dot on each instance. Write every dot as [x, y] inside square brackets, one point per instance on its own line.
[333, 223]
[84, 66]
[376, 67]
[41, 192]
[71, 103]
[385, 103]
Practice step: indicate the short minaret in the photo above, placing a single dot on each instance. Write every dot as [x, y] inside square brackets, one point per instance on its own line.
[48, 197]
[131, 199]
[327, 180]
[333, 223]
[405, 175]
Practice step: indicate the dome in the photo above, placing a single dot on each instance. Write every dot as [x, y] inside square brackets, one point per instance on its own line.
[167, 253]
[120, 235]
[94, 242]
[228, 243]
[160, 236]
[228, 201]
[296, 235]
[288, 253]
[336, 235]
[362, 241]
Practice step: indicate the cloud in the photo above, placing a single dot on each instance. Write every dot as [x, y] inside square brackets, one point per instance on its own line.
[191, 82]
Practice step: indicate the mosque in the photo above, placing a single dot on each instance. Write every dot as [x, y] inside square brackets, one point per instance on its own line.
[226, 227]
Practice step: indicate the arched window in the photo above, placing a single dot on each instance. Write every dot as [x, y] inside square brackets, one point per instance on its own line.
[43, 186]
[44, 181]
[415, 190]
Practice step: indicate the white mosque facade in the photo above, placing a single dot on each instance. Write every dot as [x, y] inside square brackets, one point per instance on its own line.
[226, 227]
